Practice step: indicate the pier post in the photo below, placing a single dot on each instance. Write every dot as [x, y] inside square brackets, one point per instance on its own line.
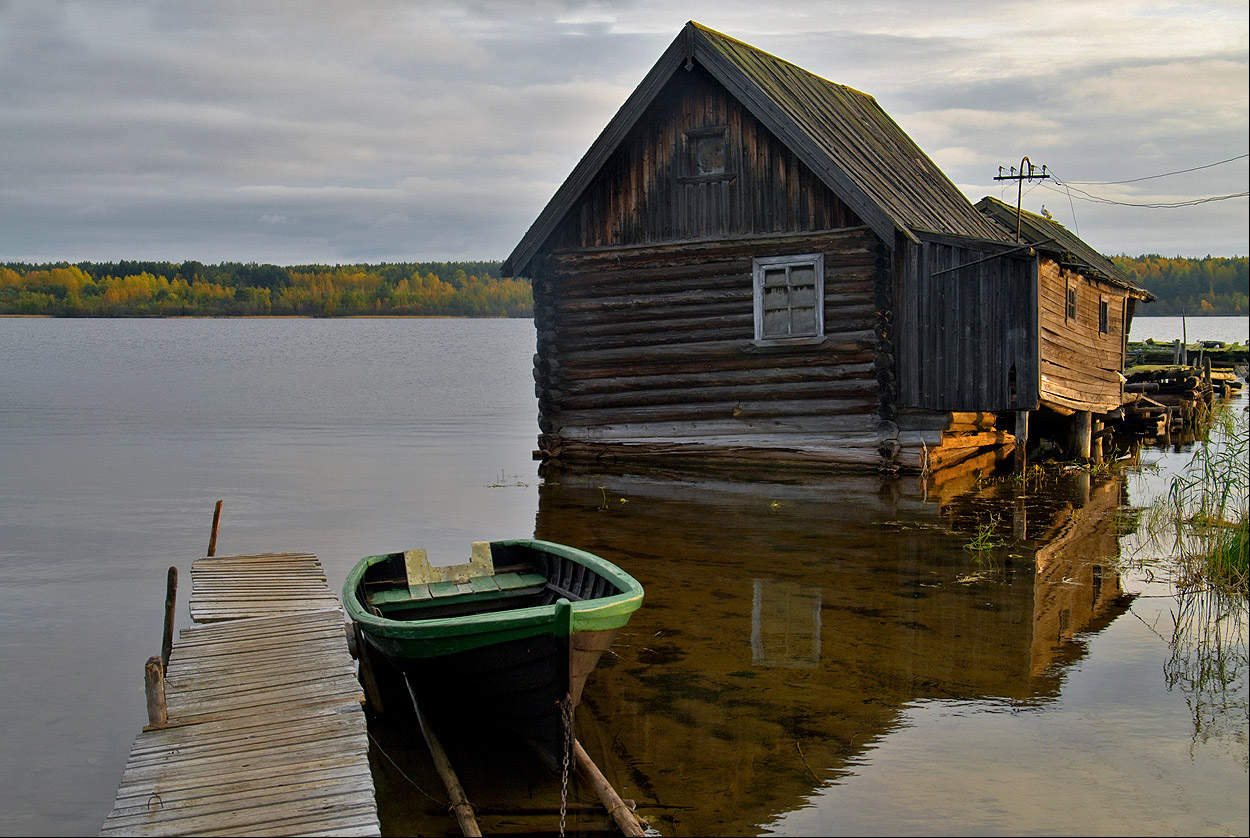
[154, 687]
[171, 599]
[212, 538]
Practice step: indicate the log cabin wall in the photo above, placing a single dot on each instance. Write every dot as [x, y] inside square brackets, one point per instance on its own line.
[650, 349]
[1083, 323]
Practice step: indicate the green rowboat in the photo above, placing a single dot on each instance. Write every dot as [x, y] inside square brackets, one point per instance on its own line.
[512, 633]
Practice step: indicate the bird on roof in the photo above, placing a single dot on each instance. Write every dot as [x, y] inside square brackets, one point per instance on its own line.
[1046, 213]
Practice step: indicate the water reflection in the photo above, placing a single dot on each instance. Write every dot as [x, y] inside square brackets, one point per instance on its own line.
[788, 624]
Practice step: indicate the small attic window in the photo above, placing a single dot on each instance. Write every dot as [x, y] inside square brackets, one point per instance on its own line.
[708, 154]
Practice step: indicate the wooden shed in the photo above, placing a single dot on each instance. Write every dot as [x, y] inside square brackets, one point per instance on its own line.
[1086, 310]
[752, 264]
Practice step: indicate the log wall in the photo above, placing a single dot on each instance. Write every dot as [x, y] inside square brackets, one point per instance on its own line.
[1081, 366]
[649, 350]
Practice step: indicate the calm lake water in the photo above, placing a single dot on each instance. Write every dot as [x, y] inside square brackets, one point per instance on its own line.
[813, 657]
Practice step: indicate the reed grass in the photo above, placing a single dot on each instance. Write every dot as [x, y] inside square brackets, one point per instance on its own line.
[1207, 507]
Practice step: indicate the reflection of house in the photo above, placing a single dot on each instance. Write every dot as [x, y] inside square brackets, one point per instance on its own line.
[752, 264]
[1077, 588]
[788, 626]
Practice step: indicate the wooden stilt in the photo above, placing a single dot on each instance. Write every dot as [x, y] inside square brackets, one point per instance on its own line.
[1082, 430]
[624, 817]
[1022, 439]
[459, 801]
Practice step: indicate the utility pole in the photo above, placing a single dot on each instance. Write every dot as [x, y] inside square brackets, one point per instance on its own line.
[1027, 172]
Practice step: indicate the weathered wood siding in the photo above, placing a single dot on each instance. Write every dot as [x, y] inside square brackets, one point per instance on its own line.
[1081, 365]
[648, 192]
[967, 338]
[651, 348]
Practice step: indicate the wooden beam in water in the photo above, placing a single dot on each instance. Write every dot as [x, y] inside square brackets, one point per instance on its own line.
[459, 801]
[620, 812]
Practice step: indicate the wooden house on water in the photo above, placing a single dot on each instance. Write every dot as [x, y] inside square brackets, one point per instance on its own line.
[1085, 311]
[752, 264]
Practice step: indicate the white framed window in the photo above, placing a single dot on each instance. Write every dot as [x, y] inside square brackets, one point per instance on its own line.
[789, 297]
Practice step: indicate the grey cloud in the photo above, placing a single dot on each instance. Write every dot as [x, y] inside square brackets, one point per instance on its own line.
[407, 130]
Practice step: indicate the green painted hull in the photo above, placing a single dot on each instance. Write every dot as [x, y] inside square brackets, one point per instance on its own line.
[412, 636]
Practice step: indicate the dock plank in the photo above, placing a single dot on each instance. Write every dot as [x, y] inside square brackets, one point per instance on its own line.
[266, 731]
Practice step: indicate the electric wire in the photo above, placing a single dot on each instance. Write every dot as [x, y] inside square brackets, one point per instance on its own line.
[1070, 186]
[1189, 202]
[1165, 174]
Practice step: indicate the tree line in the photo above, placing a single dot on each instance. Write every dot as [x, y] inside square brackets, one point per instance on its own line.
[1212, 285]
[172, 289]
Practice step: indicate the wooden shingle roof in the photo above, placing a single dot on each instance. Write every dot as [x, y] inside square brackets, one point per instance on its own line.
[1051, 237]
[841, 134]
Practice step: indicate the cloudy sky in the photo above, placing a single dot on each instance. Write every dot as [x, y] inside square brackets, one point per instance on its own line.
[367, 131]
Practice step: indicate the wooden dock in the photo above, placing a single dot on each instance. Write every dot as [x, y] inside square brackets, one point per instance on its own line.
[265, 731]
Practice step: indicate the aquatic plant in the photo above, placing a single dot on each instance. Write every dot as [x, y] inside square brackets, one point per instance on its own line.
[1207, 508]
[986, 537]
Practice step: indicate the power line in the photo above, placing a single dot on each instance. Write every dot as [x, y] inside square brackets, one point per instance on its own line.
[1165, 174]
[1098, 199]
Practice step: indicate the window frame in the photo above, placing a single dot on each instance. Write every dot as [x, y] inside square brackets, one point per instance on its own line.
[1069, 309]
[758, 267]
[1104, 316]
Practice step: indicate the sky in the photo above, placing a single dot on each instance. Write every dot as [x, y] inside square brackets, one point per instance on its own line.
[372, 131]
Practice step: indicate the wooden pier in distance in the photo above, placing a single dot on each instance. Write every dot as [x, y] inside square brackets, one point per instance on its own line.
[264, 730]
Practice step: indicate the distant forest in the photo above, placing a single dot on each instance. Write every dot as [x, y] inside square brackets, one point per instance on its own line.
[170, 289]
[450, 289]
[1212, 285]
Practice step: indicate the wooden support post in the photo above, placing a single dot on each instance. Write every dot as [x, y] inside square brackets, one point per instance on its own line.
[171, 600]
[1095, 440]
[459, 801]
[212, 538]
[154, 687]
[1176, 352]
[1082, 430]
[624, 817]
[1022, 439]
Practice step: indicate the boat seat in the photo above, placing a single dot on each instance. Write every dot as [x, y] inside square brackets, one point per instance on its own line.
[485, 587]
